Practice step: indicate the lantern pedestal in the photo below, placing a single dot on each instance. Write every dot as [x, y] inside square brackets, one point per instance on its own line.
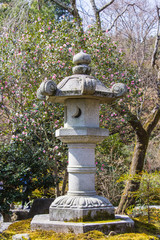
[121, 224]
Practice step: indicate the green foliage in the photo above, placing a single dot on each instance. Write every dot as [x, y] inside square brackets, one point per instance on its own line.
[149, 191]
[3, 10]
[142, 225]
[112, 161]
[147, 194]
[115, 144]
[20, 164]
[142, 216]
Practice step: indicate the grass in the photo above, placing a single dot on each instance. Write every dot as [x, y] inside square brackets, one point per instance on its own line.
[143, 231]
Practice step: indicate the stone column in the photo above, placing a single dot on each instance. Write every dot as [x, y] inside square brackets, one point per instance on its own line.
[81, 169]
[80, 115]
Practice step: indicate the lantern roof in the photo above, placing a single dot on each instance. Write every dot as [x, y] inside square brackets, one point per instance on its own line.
[80, 85]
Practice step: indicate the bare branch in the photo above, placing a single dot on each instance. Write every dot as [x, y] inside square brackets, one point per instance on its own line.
[149, 27]
[120, 14]
[75, 13]
[97, 11]
[105, 6]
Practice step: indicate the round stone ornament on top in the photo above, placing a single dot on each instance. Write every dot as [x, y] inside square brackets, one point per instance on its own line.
[81, 60]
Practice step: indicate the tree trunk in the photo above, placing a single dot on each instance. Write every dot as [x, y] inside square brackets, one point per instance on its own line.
[75, 13]
[96, 13]
[39, 4]
[137, 164]
[64, 181]
[71, 9]
[55, 172]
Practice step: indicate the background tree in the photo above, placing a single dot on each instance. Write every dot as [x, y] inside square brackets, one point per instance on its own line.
[143, 134]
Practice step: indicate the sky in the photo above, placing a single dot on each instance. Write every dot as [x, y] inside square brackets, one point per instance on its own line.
[155, 2]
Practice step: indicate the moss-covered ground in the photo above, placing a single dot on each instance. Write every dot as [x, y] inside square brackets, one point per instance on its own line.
[143, 231]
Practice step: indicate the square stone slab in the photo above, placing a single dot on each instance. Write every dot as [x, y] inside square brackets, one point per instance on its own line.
[121, 225]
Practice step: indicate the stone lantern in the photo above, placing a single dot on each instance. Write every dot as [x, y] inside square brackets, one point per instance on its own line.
[81, 95]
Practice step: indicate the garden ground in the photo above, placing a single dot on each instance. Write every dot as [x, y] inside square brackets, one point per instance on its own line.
[143, 231]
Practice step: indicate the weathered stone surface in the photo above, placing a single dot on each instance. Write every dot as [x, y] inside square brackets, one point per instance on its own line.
[119, 89]
[6, 217]
[81, 202]
[89, 116]
[40, 206]
[82, 135]
[81, 58]
[43, 222]
[85, 86]
[47, 87]
[81, 69]
[78, 208]
[78, 215]
[23, 236]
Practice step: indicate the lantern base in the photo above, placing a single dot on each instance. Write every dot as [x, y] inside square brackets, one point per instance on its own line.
[81, 208]
[120, 224]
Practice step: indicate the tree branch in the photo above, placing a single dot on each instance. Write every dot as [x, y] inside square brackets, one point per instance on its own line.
[94, 6]
[105, 6]
[97, 11]
[72, 10]
[131, 119]
[154, 117]
[39, 4]
[75, 12]
[63, 5]
[120, 14]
